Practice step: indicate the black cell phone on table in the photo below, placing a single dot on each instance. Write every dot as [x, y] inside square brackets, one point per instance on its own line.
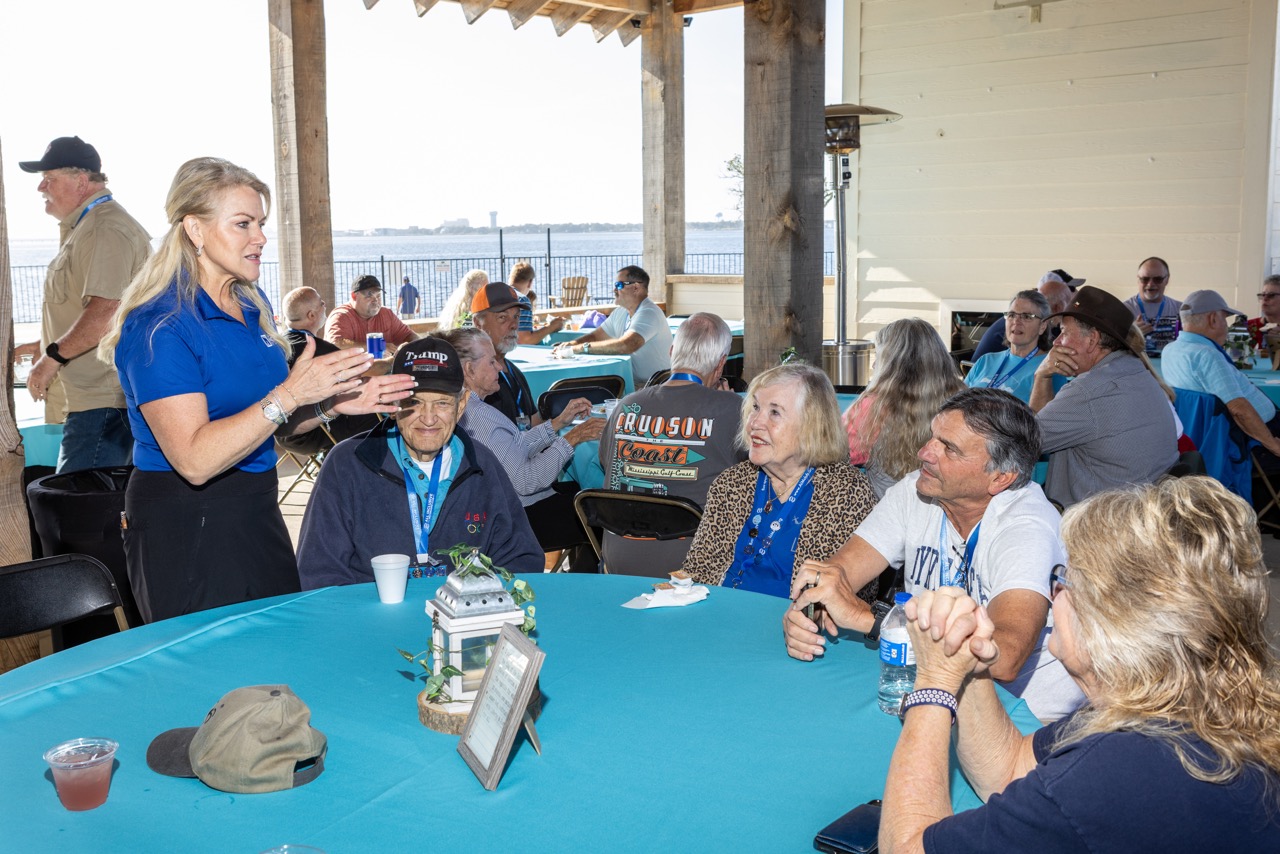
[855, 832]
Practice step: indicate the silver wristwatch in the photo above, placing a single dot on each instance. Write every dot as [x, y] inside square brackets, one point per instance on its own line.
[273, 411]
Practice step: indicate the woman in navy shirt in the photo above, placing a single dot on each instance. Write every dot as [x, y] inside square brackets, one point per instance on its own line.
[1160, 617]
[208, 388]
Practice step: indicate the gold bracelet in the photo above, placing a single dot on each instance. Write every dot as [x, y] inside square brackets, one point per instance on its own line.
[284, 387]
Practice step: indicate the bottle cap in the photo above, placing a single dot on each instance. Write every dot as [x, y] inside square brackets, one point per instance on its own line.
[901, 597]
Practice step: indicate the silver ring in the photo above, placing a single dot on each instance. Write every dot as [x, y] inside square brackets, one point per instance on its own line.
[818, 578]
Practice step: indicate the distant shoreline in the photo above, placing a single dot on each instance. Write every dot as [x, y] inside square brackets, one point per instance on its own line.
[531, 228]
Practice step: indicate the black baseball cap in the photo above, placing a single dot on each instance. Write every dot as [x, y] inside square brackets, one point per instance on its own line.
[432, 362]
[365, 283]
[63, 153]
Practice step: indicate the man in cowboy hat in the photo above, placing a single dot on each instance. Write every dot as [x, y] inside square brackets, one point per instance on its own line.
[1112, 425]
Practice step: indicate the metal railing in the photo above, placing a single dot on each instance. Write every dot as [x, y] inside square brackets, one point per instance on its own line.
[435, 278]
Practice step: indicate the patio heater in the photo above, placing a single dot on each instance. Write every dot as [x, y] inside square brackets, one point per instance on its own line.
[847, 363]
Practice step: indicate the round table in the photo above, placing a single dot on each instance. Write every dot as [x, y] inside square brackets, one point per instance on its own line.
[662, 730]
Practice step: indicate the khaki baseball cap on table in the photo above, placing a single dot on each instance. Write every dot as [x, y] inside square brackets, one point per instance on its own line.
[255, 739]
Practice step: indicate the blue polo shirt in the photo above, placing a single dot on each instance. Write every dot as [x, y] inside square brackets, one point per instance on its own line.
[526, 315]
[1193, 362]
[167, 349]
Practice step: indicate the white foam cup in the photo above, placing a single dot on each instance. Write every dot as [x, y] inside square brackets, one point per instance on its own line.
[391, 572]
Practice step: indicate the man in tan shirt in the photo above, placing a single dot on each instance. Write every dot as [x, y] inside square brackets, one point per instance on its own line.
[100, 250]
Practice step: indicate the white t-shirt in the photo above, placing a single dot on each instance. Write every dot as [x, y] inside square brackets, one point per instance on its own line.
[1017, 547]
[650, 324]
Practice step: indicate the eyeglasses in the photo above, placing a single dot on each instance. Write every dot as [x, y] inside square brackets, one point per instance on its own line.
[1153, 280]
[1014, 315]
[1058, 581]
[1268, 296]
[617, 286]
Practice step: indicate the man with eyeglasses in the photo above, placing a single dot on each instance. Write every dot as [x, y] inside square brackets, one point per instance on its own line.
[636, 328]
[1155, 314]
[1196, 361]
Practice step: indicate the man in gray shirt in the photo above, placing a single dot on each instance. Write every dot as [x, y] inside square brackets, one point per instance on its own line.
[1112, 425]
[673, 439]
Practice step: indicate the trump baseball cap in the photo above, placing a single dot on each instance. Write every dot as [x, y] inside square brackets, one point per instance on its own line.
[433, 363]
[255, 739]
[494, 296]
[63, 153]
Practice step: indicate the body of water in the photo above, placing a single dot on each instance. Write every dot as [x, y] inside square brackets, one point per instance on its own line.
[436, 263]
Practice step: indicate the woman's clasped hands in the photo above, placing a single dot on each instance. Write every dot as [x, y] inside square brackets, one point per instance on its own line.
[952, 637]
[340, 376]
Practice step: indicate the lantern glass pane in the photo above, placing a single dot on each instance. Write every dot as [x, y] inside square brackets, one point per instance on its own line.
[475, 657]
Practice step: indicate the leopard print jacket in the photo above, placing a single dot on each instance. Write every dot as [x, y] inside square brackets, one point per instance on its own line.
[842, 497]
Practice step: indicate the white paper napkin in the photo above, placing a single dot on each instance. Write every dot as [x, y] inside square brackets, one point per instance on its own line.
[668, 598]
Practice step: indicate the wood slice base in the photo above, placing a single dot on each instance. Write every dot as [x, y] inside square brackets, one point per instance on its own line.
[436, 716]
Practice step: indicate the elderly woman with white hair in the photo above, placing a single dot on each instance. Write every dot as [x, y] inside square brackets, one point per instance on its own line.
[795, 497]
[1159, 616]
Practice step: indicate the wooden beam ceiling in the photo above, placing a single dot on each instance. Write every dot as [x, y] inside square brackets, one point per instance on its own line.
[603, 16]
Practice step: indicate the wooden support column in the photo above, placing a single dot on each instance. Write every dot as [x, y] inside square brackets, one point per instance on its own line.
[662, 115]
[783, 163]
[301, 204]
[15, 537]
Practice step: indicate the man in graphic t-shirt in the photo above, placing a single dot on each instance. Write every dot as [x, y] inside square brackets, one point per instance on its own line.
[673, 439]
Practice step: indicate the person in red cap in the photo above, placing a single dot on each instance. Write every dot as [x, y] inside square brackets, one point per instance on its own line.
[100, 249]
[350, 322]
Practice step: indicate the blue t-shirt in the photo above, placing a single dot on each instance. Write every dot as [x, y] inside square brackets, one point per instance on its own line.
[1119, 791]
[1018, 377]
[167, 349]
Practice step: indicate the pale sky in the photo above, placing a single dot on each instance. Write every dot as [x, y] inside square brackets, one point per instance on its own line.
[429, 118]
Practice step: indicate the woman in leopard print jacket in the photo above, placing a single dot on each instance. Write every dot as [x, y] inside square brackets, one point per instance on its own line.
[795, 498]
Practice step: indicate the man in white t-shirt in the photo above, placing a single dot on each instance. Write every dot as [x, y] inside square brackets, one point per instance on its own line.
[969, 518]
[637, 327]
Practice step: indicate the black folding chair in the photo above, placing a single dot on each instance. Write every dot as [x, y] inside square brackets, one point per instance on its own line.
[614, 383]
[636, 516]
[553, 402]
[38, 595]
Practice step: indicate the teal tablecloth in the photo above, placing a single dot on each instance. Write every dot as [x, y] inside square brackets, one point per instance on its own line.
[541, 370]
[42, 443]
[685, 729]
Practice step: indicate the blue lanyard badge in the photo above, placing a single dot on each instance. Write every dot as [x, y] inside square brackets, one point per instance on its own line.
[93, 204]
[959, 578]
[689, 378]
[1003, 377]
[423, 503]
[754, 563]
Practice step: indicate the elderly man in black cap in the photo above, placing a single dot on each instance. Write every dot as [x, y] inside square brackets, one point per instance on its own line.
[100, 250]
[1111, 426]
[414, 485]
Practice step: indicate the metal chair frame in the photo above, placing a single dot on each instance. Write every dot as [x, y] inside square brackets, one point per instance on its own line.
[308, 466]
[583, 500]
[612, 382]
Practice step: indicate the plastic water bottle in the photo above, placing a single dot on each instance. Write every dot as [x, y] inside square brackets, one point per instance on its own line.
[897, 658]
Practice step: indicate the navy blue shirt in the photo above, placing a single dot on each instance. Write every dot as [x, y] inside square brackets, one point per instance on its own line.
[167, 349]
[1118, 791]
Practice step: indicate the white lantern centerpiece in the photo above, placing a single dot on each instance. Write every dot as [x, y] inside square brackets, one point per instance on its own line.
[467, 615]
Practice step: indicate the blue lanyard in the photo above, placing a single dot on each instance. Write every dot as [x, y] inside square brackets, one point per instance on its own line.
[93, 204]
[1142, 306]
[960, 578]
[689, 378]
[514, 386]
[1003, 378]
[748, 539]
[421, 531]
